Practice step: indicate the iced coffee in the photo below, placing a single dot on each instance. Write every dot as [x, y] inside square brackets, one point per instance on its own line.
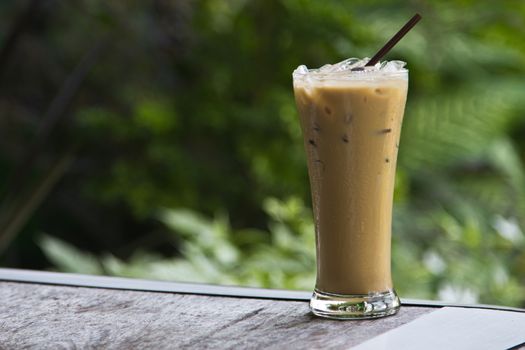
[351, 118]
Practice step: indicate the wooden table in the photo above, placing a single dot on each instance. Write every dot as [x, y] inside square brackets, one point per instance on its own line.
[42, 310]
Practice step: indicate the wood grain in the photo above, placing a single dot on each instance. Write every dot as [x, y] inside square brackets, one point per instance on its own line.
[34, 316]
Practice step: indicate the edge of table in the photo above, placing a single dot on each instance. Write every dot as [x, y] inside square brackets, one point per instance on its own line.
[134, 284]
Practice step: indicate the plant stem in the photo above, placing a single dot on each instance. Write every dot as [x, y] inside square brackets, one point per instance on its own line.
[25, 207]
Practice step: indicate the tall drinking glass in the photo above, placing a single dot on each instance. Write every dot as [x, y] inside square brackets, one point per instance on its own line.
[351, 122]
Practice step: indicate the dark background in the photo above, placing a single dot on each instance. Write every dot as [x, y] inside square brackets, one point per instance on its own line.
[160, 140]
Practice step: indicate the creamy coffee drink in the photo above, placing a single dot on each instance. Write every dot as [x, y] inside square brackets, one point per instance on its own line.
[351, 121]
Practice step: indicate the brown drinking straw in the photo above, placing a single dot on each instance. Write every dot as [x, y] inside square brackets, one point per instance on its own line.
[390, 44]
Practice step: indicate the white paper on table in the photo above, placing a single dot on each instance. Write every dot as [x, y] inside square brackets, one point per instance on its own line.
[454, 328]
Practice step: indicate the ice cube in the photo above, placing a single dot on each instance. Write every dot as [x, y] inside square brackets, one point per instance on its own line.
[352, 63]
[393, 66]
[328, 68]
[302, 69]
[352, 66]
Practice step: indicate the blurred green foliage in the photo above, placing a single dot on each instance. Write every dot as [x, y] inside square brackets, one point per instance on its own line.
[462, 263]
[213, 252]
[191, 107]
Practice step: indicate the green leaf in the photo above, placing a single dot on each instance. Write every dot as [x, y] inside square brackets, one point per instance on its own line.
[67, 258]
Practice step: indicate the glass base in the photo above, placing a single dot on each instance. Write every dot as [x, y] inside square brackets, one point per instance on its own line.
[354, 307]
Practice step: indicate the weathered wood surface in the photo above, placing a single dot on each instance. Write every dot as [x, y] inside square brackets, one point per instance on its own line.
[34, 316]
